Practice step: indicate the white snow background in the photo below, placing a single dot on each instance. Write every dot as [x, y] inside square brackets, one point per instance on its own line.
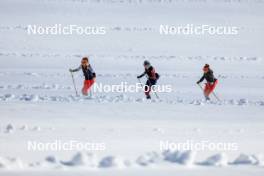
[38, 103]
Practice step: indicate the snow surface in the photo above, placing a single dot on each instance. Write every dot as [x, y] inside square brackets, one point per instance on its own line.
[38, 102]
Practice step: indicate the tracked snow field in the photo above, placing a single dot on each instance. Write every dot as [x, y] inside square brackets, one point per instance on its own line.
[126, 134]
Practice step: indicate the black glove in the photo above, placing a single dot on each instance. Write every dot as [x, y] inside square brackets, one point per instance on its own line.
[198, 82]
[138, 77]
[70, 70]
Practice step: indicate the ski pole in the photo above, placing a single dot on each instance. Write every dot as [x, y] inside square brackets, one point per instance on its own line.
[156, 94]
[218, 99]
[90, 93]
[200, 86]
[73, 81]
[139, 81]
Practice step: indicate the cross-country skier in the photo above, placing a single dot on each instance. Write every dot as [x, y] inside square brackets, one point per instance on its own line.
[152, 77]
[88, 73]
[211, 81]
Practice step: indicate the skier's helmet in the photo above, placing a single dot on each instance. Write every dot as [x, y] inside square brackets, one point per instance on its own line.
[146, 63]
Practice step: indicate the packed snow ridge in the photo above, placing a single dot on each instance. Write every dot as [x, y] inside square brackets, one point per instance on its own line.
[10, 128]
[154, 159]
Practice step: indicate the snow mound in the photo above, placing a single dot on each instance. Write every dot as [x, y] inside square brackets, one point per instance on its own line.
[11, 163]
[243, 102]
[181, 157]
[36, 128]
[246, 159]
[159, 130]
[24, 127]
[2, 163]
[31, 98]
[216, 160]
[260, 159]
[149, 158]
[112, 161]
[82, 159]
[8, 97]
[9, 128]
[51, 159]
[51, 162]
[197, 102]
[89, 161]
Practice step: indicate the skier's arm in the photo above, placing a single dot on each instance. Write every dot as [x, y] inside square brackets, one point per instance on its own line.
[202, 78]
[76, 69]
[140, 76]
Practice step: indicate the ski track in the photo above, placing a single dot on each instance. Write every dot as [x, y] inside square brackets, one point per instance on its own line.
[6, 96]
[138, 57]
[124, 99]
[121, 75]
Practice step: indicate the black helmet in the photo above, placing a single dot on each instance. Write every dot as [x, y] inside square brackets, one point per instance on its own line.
[146, 62]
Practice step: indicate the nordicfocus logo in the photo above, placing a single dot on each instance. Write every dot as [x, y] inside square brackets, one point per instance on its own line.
[203, 145]
[124, 87]
[71, 145]
[59, 29]
[191, 29]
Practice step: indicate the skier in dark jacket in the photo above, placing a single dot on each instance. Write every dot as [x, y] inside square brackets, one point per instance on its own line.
[152, 77]
[211, 81]
[88, 74]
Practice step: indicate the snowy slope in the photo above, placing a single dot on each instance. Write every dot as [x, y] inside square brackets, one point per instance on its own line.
[38, 102]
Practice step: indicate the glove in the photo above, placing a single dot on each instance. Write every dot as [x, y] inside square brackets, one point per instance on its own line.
[70, 70]
[138, 77]
[198, 82]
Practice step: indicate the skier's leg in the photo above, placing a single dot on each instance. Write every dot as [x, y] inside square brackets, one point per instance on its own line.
[85, 87]
[212, 87]
[91, 82]
[153, 83]
[147, 89]
[206, 91]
